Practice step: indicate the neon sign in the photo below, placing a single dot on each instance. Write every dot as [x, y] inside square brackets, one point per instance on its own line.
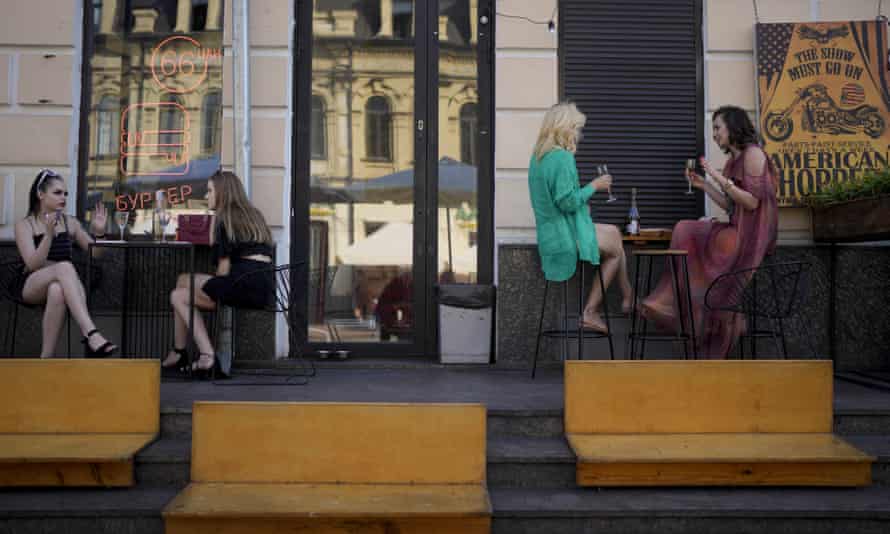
[143, 200]
[143, 152]
[183, 59]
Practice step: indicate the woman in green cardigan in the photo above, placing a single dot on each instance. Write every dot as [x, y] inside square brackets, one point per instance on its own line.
[564, 226]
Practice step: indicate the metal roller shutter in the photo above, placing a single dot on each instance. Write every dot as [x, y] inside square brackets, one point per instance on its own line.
[634, 68]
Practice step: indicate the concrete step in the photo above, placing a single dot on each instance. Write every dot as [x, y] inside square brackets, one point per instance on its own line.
[84, 511]
[165, 463]
[853, 422]
[524, 462]
[690, 510]
[516, 511]
[526, 423]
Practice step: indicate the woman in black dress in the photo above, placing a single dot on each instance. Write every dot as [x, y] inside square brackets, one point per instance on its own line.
[45, 239]
[242, 244]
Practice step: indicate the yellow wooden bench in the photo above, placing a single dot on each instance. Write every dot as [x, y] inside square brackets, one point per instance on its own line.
[334, 468]
[697, 423]
[75, 422]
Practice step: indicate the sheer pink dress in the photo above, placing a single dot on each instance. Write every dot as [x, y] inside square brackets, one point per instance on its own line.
[716, 248]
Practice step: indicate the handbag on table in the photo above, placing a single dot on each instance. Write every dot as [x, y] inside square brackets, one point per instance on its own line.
[194, 228]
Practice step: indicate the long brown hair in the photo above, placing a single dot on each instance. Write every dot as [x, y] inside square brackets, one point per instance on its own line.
[242, 221]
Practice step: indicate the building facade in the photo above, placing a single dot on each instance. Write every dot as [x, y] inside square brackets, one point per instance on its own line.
[373, 158]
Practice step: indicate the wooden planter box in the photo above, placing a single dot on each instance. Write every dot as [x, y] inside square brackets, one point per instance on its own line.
[856, 220]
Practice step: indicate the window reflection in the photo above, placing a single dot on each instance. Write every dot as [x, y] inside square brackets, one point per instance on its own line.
[468, 131]
[210, 123]
[107, 128]
[378, 132]
[319, 132]
[362, 170]
[155, 118]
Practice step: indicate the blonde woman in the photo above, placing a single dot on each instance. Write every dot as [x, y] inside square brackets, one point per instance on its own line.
[564, 225]
[242, 244]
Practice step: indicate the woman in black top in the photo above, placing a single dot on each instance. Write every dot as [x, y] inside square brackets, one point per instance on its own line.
[242, 244]
[48, 276]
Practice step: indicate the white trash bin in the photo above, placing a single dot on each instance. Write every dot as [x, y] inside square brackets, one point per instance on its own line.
[466, 316]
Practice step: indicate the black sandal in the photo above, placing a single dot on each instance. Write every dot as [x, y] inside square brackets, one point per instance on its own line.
[104, 351]
[182, 353]
[206, 373]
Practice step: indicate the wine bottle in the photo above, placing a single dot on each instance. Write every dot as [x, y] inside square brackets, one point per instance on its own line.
[633, 216]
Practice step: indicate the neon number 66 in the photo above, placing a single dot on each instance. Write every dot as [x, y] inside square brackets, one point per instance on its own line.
[171, 63]
[179, 64]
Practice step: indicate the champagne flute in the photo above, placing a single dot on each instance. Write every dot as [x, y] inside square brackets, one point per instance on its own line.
[121, 218]
[163, 220]
[690, 168]
[604, 169]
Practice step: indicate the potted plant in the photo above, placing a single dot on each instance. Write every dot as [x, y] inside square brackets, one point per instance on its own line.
[853, 210]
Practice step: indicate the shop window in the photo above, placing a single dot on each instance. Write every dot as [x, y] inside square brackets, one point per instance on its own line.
[107, 126]
[319, 134]
[153, 117]
[378, 131]
[469, 127]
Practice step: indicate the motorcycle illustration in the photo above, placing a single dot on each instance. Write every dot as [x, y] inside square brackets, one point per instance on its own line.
[822, 115]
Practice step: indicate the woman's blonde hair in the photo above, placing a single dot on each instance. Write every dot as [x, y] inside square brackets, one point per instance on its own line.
[560, 128]
[242, 221]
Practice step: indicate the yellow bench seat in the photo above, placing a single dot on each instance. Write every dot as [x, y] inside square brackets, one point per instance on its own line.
[333, 501]
[809, 459]
[76, 422]
[69, 459]
[704, 423]
[334, 468]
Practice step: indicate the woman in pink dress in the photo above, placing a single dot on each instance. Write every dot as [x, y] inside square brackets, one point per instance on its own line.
[746, 189]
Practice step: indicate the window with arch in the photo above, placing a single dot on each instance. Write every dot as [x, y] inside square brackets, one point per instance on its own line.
[469, 128]
[107, 126]
[318, 148]
[378, 128]
[170, 122]
[211, 131]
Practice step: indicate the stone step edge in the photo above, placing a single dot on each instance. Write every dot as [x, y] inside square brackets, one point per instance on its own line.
[872, 503]
[501, 449]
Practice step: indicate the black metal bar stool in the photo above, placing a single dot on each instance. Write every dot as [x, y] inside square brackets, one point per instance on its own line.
[672, 259]
[580, 333]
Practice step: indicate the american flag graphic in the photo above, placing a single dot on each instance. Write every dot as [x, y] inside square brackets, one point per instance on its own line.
[852, 94]
[772, 47]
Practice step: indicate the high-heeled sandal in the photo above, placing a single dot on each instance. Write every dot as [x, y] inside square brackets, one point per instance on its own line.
[208, 372]
[180, 355]
[103, 351]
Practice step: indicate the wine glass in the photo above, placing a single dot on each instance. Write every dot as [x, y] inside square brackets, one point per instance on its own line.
[604, 169]
[690, 168]
[121, 218]
[163, 220]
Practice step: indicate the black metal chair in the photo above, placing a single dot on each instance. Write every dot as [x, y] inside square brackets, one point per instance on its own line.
[280, 301]
[767, 294]
[9, 270]
[579, 332]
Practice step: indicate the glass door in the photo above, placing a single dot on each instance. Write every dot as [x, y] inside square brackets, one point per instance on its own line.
[388, 151]
[364, 127]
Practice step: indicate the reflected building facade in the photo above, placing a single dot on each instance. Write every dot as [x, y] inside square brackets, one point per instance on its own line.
[363, 170]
